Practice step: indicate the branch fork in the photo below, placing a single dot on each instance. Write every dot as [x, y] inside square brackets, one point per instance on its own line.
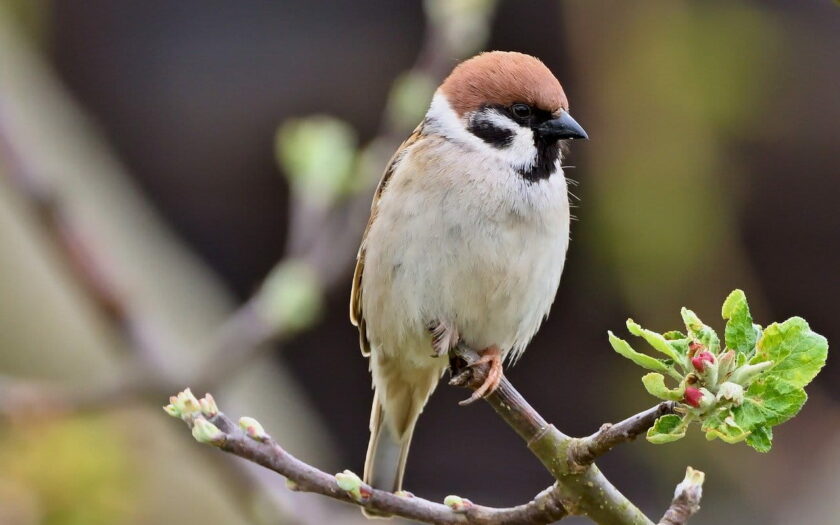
[580, 488]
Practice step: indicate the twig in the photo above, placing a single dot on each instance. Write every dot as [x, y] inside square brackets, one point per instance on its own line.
[583, 451]
[247, 333]
[582, 488]
[686, 500]
[83, 260]
[252, 443]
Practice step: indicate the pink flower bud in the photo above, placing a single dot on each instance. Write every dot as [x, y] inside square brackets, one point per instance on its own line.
[699, 361]
[692, 396]
[694, 347]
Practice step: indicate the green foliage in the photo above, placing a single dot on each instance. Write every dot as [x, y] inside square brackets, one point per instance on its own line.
[666, 429]
[318, 155]
[645, 361]
[740, 333]
[409, 98]
[291, 296]
[655, 385]
[736, 393]
[70, 471]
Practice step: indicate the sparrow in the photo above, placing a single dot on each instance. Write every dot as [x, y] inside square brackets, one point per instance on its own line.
[466, 241]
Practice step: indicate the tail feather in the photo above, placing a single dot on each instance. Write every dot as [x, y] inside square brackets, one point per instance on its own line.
[387, 452]
[399, 398]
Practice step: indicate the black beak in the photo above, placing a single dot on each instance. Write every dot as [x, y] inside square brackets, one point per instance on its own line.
[563, 127]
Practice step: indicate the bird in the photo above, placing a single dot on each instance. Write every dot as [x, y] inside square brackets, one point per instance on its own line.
[466, 241]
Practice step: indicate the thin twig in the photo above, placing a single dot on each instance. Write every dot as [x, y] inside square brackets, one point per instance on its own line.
[583, 489]
[263, 450]
[583, 451]
[578, 491]
[686, 500]
[87, 264]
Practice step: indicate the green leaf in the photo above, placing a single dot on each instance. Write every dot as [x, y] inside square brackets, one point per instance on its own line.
[740, 335]
[645, 361]
[291, 296]
[756, 384]
[666, 429]
[728, 431]
[318, 156]
[769, 402]
[701, 332]
[655, 385]
[409, 98]
[761, 439]
[798, 353]
[654, 339]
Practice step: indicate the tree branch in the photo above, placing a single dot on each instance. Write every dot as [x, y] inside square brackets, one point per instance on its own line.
[584, 451]
[248, 440]
[581, 489]
[686, 500]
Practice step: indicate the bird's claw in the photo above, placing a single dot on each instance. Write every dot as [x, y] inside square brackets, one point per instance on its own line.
[492, 355]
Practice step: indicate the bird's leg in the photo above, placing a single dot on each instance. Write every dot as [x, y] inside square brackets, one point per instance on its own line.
[444, 337]
[493, 356]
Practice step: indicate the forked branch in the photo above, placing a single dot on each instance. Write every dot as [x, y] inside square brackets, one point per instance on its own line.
[580, 489]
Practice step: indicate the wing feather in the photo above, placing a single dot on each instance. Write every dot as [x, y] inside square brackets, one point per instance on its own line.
[356, 314]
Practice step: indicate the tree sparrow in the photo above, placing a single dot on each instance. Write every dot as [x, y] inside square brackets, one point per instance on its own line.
[466, 241]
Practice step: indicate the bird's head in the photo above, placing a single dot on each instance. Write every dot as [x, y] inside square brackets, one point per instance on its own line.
[510, 104]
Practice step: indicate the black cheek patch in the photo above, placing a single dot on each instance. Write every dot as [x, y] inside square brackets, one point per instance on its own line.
[491, 134]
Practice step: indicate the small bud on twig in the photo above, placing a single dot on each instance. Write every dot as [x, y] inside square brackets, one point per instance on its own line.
[457, 503]
[206, 432]
[184, 405]
[349, 482]
[252, 428]
[208, 406]
[692, 485]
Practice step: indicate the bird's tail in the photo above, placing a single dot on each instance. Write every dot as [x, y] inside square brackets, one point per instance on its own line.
[397, 403]
[387, 451]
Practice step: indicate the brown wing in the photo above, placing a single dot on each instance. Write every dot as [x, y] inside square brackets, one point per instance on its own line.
[356, 315]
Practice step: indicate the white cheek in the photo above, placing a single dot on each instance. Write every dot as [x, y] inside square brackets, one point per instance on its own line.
[521, 153]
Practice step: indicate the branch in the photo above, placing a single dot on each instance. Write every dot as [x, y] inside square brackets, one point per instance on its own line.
[583, 490]
[584, 451]
[686, 499]
[580, 489]
[248, 332]
[248, 440]
[86, 264]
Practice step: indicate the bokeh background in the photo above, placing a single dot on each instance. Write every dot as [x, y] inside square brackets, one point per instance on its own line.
[158, 158]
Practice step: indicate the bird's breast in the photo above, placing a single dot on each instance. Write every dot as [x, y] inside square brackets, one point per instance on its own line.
[469, 242]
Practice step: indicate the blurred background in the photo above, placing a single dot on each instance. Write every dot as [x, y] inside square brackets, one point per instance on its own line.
[157, 160]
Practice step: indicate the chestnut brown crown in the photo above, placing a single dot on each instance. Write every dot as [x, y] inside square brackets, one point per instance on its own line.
[503, 78]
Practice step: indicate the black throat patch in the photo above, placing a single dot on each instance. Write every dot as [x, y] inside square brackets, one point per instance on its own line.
[547, 155]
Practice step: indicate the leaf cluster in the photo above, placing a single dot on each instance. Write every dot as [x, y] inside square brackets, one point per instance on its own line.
[738, 389]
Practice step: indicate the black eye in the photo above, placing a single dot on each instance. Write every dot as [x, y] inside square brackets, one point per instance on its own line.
[522, 111]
